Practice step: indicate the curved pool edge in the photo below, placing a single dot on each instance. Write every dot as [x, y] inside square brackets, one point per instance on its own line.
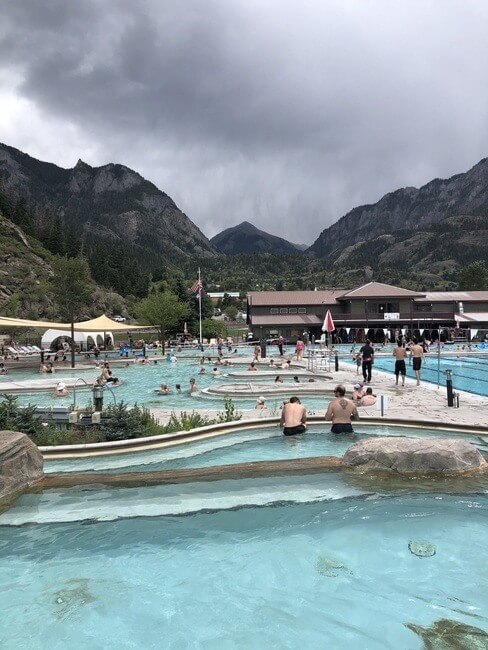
[64, 452]
[256, 469]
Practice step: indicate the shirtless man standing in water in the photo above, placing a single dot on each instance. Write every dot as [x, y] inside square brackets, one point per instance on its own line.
[293, 417]
[341, 411]
[417, 352]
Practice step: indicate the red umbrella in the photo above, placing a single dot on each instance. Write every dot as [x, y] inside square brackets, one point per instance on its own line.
[328, 325]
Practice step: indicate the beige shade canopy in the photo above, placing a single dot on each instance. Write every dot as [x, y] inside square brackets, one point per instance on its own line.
[101, 324]
[105, 324]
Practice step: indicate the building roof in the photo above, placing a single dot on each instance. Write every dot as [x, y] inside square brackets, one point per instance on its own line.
[473, 317]
[287, 298]
[286, 319]
[457, 296]
[380, 290]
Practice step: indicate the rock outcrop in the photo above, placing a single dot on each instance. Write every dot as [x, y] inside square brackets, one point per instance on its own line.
[415, 456]
[21, 463]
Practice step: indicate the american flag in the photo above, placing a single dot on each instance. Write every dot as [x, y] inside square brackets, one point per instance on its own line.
[197, 287]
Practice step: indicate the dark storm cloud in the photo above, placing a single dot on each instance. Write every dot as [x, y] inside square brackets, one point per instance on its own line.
[283, 113]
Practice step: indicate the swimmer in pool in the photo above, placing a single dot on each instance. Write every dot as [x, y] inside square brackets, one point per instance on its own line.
[60, 390]
[341, 411]
[293, 417]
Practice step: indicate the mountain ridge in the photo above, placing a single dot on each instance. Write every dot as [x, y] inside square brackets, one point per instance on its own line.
[412, 208]
[127, 227]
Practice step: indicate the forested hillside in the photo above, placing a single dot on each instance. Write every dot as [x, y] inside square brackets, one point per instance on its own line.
[127, 229]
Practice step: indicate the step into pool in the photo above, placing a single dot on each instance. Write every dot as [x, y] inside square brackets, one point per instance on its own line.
[249, 445]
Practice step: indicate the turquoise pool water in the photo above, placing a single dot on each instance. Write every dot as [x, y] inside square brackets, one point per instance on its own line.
[246, 446]
[139, 384]
[331, 574]
[469, 373]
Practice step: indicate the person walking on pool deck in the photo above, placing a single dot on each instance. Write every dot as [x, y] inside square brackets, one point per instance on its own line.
[281, 342]
[367, 354]
[341, 411]
[400, 368]
[293, 417]
[299, 348]
[416, 353]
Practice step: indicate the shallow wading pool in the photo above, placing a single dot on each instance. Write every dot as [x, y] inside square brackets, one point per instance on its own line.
[248, 445]
[335, 573]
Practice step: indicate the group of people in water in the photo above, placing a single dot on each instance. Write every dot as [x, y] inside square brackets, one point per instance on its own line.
[164, 389]
[341, 412]
[105, 378]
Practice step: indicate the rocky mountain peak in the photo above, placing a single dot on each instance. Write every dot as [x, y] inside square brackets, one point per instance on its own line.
[408, 209]
[82, 166]
[247, 238]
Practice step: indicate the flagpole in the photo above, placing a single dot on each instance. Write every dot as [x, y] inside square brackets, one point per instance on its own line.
[200, 305]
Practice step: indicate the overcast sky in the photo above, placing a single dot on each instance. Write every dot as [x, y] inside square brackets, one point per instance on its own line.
[285, 113]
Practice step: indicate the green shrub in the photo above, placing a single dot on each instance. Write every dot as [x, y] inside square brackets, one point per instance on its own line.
[120, 422]
[186, 421]
[230, 412]
[23, 418]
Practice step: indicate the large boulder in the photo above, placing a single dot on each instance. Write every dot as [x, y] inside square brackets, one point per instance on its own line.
[21, 463]
[414, 456]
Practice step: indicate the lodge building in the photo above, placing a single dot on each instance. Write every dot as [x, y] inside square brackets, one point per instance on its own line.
[374, 310]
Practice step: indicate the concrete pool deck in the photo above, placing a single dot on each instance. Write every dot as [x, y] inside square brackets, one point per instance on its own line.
[424, 403]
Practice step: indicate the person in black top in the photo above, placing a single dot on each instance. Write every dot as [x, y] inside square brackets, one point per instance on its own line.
[367, 354]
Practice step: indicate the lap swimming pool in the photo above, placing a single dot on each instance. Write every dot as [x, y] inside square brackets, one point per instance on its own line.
[469, 373]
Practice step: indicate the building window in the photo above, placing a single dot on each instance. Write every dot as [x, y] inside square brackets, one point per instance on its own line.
[424, 307]
[375, 307]
[302, 310]
[292, 310]
[283, 310]
[274, 310]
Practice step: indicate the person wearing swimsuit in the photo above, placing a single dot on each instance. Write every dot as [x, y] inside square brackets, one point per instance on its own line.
[293, 417]
[341, 411]
[417, 352]
[400, 368]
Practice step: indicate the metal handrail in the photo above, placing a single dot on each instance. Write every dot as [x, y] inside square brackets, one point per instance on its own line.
[74, 389]
[106, 387]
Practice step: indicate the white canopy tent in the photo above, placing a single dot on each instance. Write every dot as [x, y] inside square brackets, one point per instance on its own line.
[96, 326]
[85, 340]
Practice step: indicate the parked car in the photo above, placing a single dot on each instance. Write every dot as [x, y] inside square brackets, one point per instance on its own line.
[119, 319]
